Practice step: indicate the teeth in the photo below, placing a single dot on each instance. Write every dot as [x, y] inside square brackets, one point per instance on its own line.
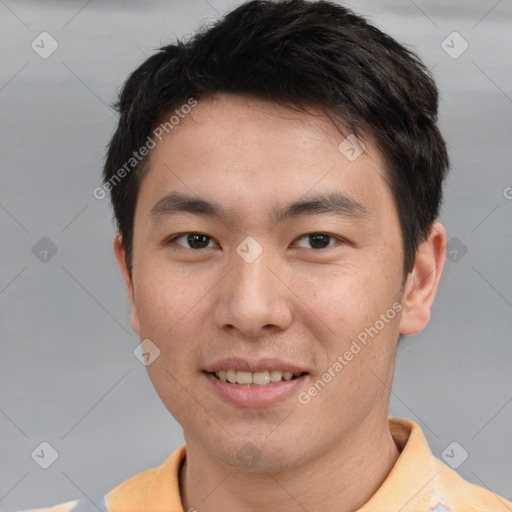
[257, 378]
[276, 375]
[244, 377]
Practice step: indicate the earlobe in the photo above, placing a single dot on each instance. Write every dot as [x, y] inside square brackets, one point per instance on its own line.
[120, 254]
[423, 280]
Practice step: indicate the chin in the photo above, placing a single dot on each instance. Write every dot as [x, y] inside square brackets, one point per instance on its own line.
[258, 455]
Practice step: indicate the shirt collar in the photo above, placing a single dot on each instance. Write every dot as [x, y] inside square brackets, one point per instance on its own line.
[412, 480]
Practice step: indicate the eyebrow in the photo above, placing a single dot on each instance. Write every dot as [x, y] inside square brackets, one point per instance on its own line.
[335, 203]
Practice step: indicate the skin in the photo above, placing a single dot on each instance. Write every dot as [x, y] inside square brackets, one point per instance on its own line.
[296, 301]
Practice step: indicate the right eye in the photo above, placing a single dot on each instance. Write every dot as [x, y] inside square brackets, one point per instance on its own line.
[194, 240]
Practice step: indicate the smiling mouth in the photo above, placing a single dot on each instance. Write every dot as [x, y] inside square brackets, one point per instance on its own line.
[255, 379]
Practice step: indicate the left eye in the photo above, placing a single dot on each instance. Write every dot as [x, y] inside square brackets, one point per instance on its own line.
[318, 240]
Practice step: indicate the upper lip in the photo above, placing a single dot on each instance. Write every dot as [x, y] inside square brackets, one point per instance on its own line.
[253, 365]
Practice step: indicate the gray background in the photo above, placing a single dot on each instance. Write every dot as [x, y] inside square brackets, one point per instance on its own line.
[68, 375]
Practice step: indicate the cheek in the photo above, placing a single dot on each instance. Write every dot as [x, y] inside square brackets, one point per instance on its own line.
[165, 305]
[172, 307]
[361, 309]
[348, 298]
[163, 297]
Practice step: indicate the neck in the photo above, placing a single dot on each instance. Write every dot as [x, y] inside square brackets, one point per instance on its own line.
[342, 479]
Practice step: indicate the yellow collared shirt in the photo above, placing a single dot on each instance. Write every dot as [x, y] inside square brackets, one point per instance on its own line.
[418, 482]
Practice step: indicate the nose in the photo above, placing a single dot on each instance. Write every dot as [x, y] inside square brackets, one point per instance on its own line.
[255, 299]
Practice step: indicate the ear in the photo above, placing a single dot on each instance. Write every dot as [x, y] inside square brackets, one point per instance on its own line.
[422, 281]
[120, 255]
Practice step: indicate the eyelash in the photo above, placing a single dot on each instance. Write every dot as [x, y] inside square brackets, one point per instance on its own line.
[180, 235]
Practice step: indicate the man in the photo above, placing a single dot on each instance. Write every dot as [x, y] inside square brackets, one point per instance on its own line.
[276, 182]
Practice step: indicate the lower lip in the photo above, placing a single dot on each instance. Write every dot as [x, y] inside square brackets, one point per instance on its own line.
[255, 396]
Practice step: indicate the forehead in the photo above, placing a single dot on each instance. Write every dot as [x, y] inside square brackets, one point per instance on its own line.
[253, 153]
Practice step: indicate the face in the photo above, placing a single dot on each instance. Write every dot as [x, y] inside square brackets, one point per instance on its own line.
[258, 285]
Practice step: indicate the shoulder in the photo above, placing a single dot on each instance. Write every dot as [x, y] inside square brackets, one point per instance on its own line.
[157, 487]
[134, 488]
[462, 493]
[439, 488]
[79, 505]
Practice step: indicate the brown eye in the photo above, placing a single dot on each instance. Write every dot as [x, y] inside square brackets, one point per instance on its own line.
[318, 240]
[192, 240]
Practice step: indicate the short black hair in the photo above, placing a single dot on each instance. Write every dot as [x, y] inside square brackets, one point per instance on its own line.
[298, 54]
